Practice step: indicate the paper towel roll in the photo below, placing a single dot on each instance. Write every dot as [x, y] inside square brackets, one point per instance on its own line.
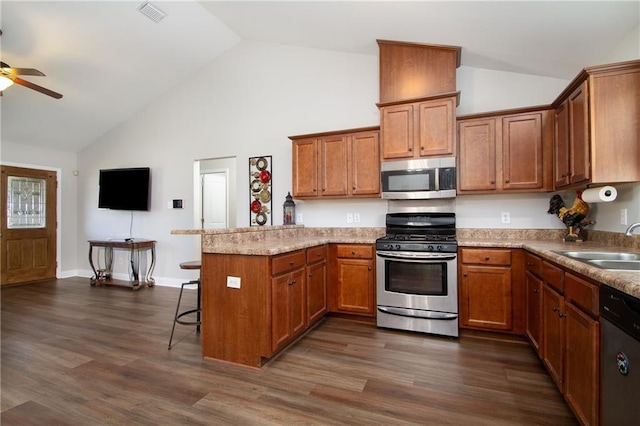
[603, 194]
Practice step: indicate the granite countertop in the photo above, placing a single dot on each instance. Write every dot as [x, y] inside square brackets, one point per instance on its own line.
[276, 240]
[625, 281]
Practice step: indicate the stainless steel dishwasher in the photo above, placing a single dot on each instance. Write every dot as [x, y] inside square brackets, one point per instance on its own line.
[619, 357]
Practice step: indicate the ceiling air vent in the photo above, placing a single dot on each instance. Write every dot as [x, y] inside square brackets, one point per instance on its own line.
[151, 12]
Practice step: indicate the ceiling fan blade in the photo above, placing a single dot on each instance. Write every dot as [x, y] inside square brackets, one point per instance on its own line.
[22, 71]
[35, 87]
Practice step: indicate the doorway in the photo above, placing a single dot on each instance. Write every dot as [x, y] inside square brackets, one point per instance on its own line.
[215, 193]
[28, 225]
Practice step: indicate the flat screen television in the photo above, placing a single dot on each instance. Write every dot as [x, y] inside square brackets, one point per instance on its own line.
[124, 189]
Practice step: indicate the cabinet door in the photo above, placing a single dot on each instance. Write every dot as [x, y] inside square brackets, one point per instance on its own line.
[305, 168]
[364, 170]
[579, 138]
[477, 168]
[582, 364]
[316, 291]
[553, 334]
[561, 167]
[522, 152]
[298, 302]
[397, 131]
[356, 288]
[333, 166]
[436, 127]
[533, 290]
[486, 300]
[280, 311]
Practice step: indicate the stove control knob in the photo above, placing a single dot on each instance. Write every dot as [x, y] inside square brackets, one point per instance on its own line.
[430, 248]
[397, 246]
[440, 248]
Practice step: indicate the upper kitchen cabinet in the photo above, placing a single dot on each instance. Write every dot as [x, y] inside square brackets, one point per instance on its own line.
[506, 151]
[342, 164]
[597, 130]
[420, 128]
[413, 70]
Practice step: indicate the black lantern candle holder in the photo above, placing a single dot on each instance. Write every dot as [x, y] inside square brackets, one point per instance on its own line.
[289, 211]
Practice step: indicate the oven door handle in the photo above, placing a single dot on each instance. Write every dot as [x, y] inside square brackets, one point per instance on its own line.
[416, 256]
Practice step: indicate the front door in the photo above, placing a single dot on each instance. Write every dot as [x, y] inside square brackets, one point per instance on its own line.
[28, 225]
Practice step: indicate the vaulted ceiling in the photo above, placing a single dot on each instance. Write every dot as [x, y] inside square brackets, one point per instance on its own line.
[109, 60]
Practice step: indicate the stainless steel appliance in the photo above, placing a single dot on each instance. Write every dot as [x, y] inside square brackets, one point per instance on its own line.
[619, 357]
[419, 179]
[417, 273]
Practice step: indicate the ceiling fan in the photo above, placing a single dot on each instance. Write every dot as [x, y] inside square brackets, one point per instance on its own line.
[9, 75]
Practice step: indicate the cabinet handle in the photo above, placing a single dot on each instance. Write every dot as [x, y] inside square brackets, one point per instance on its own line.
[464, 275]
[535, 290]
[487, 258]
[369, 268]
[422, 148]
[292, 263]
[492, 182]
[310, 274]
[315, 190]
[555, 309]
[561, 315]
[507, 181]
[324, 189]
[353, 252]
[410, 149]
[353, 187]
[292, 282]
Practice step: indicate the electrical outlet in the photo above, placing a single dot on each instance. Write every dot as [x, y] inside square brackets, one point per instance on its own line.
[356, 217]
[623, 216]
[298, 217]
[233, 282]
[349, 217]
[505, 217]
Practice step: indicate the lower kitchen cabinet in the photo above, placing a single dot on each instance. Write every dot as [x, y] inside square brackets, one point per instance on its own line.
[316, 283]
[353, 279]
[570, 334]
[533, 300]
[288, 303]
[490, 293]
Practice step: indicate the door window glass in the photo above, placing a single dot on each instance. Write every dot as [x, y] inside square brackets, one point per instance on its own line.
[26, 202]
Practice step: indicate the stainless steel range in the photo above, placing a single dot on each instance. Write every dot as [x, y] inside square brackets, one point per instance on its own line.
[417, 273]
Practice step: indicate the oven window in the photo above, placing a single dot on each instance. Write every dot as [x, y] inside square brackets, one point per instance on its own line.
[428, 279]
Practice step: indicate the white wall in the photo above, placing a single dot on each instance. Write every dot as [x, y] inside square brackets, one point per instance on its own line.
[64, 163]
[245, 104]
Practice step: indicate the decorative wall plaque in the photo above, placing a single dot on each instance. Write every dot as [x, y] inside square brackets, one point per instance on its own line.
[260, 190]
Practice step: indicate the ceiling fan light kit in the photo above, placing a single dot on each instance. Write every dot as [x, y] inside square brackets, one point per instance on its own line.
[5, 82]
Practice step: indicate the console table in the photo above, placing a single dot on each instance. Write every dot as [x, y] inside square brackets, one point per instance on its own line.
[135, 247]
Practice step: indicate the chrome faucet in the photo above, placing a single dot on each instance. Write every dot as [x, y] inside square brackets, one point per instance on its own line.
[631, 228]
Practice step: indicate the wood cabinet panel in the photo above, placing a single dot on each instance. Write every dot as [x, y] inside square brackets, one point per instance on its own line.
[582, 366]
[553, 334]
[582, 293]
[579, 149]
[486, 257]
[533, 285]
[355, 251]
[553, 275]
[436, 121]
[316, 291]
[337, 164]
[486, 300]
[356, 287]
[287, 262]
[506, 152]
[397, 131]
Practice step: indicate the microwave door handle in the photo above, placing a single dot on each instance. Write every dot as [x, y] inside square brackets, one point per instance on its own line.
[436, 179]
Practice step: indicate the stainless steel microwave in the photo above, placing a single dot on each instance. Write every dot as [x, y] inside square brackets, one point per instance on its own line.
[419, 179]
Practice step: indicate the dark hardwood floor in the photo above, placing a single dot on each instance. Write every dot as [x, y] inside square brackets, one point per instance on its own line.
[79, 355]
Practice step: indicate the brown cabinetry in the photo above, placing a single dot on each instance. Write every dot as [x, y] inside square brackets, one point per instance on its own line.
[570, 336]
[288, 303]
[533, 302]
[353, 279]
[341, 164]
[490, 298]
[500, 152]
[415, 70]
[596, 127]
[420, 128]
[316, 283]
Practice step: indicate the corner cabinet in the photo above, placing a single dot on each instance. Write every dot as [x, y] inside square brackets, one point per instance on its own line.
[533, 300]
[490, 290]
[288, 301]
[343, 164]
[506, 151]
[596, 127]
[419, 128]
[353, 279]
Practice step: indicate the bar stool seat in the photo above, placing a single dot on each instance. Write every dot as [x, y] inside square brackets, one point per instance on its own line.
[177, 318]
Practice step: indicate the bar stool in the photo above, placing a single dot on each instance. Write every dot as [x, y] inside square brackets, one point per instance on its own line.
[177, 318]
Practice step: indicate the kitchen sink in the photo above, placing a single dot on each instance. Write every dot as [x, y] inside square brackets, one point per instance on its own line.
[615, 261]
[618, 265]
[600, 255]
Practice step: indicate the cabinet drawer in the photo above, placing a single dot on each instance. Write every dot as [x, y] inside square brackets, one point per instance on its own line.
[486, 257]
[582, 294]
[287, 262]
[553, 276]
[533, 264]
[316, 254]
[355, 251]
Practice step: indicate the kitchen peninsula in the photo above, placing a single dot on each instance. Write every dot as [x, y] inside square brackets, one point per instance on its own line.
[250, 320]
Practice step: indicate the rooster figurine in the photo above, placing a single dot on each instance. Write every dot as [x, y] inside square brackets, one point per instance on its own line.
[573, 218]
